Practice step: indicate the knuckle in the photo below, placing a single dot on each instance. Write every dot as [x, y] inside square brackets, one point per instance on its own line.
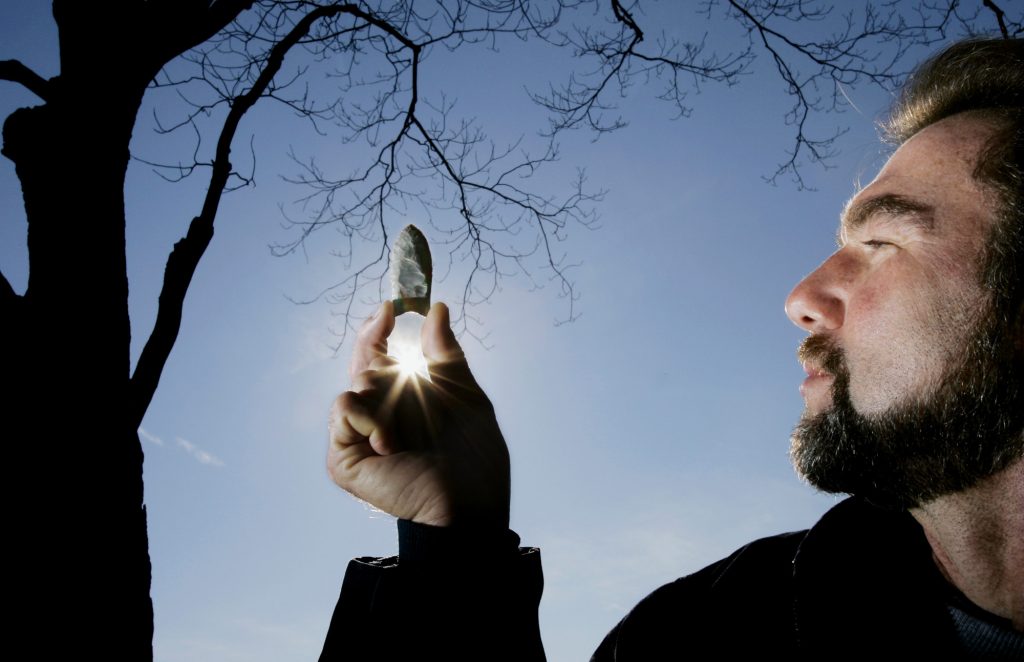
[345, 404]
[364, 380]
[347, 401]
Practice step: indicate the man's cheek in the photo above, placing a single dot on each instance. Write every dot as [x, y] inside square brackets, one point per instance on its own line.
[882, 377]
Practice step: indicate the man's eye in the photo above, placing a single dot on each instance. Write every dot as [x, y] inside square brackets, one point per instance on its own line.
[875, 243]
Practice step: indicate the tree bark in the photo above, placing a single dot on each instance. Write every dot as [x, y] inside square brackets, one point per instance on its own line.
[80, 577]
[81, 573]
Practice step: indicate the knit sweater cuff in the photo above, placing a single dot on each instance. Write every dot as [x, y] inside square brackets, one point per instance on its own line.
[439, 545]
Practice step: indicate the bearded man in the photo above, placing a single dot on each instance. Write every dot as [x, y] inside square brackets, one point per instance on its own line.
[914, 406]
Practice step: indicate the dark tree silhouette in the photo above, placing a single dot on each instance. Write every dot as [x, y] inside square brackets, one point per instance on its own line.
[79, 569]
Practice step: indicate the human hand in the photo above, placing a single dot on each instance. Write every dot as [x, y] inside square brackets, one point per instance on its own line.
[426, 451]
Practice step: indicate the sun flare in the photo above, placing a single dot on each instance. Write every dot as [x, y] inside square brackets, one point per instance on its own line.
[404, 345]
[410, 360]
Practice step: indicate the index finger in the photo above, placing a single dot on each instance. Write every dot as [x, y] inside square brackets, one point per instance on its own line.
[372, 339]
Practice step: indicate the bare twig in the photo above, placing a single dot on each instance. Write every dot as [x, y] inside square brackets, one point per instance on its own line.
[16, 72]
[1000, 17]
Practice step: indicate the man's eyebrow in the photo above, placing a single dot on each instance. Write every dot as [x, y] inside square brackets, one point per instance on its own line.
[913, 212]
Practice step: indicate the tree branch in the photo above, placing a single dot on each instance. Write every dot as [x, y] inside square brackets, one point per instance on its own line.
[184, 259]
[869, 46]
[473, 184]
[1000, 17]
[870, 50]
[15, 71]
[580, 102]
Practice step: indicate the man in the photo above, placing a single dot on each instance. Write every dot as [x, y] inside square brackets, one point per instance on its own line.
[914, 405]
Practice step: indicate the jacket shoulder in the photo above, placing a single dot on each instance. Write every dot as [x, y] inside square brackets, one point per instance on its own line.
[741, 602]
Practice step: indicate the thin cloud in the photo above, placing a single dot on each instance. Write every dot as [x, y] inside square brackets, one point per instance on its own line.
[150, 437]
[198, 453]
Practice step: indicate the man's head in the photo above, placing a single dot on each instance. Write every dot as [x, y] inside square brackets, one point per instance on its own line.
[914, 384]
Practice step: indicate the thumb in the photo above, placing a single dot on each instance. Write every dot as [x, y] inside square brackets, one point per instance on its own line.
[446, 361]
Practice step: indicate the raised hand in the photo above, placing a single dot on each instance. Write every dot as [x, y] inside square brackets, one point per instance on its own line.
[426, 451]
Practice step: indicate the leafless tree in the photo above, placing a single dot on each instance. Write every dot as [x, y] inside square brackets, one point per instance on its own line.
[75, 504]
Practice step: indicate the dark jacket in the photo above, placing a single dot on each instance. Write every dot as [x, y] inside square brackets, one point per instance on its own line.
[859, 584]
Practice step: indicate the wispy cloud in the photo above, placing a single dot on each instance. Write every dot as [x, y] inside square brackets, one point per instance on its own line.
[202, 456]
[198, 453]
[150, 437]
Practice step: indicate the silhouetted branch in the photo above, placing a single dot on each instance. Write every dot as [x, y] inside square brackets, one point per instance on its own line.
[870, 49]
[474, 179]
[184, 258]
[187, 24]
[581, 101]
[16, 72]
[1000, 17]
[178, 272]
[870, 46]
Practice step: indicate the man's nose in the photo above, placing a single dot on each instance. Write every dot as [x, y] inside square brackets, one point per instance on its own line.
[818, 302]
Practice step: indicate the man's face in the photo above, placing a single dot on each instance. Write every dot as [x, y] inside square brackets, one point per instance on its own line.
[903, 352]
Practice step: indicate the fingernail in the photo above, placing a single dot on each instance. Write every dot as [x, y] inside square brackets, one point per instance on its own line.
[376, 313]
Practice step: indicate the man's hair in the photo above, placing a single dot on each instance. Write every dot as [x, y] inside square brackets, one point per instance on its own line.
[983, 77]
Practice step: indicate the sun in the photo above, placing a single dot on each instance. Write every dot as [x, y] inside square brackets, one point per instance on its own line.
[410, 361]
[404, 345]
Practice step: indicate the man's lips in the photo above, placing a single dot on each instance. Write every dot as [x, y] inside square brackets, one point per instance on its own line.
[815, 376]
[814, 371]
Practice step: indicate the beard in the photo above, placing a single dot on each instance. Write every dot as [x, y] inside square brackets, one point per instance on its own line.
[968, 428]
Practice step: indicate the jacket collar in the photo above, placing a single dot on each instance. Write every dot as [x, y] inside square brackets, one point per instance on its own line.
[865, 581]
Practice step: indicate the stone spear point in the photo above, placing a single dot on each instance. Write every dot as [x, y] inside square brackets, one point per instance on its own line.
[411, 272]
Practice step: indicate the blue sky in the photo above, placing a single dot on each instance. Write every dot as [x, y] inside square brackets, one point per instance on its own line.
[648, 438]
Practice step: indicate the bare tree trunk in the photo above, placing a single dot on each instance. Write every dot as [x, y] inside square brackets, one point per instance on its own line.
[80, 578]
[80, 575]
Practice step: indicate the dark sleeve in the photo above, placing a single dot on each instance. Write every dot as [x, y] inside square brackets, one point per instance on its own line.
[737, 607]
[450, 594]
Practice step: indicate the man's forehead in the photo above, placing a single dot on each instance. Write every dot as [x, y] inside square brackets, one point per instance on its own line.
[932, 171]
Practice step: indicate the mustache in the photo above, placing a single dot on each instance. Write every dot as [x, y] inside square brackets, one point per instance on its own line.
[822, 352]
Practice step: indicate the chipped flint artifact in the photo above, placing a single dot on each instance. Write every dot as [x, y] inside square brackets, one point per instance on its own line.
[411, 272]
